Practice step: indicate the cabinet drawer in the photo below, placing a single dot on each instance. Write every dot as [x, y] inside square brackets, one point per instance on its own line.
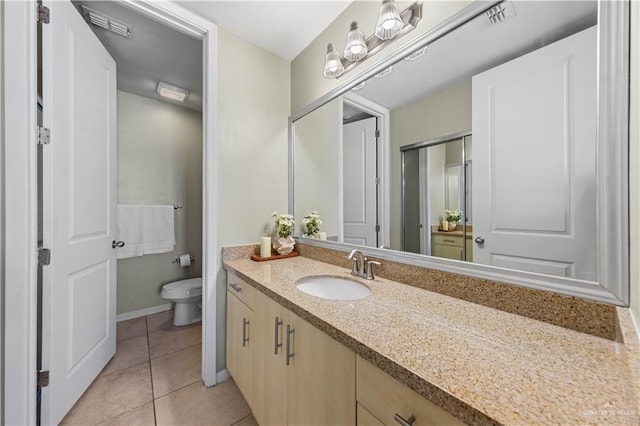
[365, 418]
[385, 397]
[447, 240]
[240, 289]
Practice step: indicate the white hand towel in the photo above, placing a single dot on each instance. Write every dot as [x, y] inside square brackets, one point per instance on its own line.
[159, 236]
[130, 230]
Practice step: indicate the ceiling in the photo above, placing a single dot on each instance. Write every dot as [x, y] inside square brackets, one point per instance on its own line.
[281, 27]
[155, 52]
[478, 46]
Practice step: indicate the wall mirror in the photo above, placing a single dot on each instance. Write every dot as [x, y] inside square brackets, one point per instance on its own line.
[512, 114]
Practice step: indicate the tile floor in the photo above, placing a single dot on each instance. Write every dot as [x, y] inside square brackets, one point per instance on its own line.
[154, 379]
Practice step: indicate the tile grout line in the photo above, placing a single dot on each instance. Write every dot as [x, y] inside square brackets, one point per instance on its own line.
[173, 352]
[153, 392]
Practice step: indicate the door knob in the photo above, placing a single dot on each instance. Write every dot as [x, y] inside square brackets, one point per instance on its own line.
[115, 244]
[479, 240]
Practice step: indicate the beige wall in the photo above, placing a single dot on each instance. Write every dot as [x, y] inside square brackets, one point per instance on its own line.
[307, 81]
[438, 114]
[634, 163]
[159, 162]
[253, 107]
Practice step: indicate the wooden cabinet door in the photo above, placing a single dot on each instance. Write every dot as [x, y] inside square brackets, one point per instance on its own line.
[239, 344]
[385, 397]
[321, 377]
[450, 252]
[269, 391]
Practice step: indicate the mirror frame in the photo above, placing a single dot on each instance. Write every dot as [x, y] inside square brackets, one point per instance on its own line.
[612, 207]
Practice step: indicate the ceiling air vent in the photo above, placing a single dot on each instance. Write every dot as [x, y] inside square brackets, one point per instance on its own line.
[501, 12]
[106, 22]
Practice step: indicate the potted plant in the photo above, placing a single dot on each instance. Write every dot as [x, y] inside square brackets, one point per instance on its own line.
[311, 223]
[283, 242]
[453, 217]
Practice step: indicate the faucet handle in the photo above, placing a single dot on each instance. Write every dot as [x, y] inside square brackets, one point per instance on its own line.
[355, 270]
[370, 263]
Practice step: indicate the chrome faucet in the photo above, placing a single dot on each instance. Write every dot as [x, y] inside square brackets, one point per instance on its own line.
[362, 267]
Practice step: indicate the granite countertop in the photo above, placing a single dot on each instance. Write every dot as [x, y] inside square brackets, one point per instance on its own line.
[483, 365]
[456, 233]
[435, 230]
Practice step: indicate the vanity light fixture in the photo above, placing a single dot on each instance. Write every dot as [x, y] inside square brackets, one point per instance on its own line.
[389, 21]
[417, 54]
[333, 64]
[172, 92]
[391, 25]
[356, 47]
[359, 86]
[385, 72]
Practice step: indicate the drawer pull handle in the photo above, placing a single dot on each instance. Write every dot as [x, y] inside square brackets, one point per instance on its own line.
[245, 334]
[290, 354]
[236, 287]
[398, 418]
[276, 326]
[449, 241]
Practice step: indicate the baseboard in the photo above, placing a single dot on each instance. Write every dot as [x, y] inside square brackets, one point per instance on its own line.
[222, 376]
[144, 312]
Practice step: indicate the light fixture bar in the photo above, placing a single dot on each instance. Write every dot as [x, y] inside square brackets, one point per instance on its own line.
[410, 18]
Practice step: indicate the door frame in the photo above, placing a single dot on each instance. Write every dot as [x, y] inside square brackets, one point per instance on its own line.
[383, 116]
[19, 203]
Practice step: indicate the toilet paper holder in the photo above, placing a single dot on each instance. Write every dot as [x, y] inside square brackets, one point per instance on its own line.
[177, 259]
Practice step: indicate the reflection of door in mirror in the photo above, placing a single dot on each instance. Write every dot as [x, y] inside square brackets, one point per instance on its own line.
[433, 182]
[359, 182]
[453, 189]
[534, 125]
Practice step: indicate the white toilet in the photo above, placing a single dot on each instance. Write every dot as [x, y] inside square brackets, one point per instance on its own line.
[187, 295]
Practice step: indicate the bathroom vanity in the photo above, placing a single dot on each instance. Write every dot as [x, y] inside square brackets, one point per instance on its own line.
[405, 352]
[449, 244]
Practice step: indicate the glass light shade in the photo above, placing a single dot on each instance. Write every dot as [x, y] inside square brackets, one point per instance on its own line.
[389, 20]
[333, 63]
[356, 47]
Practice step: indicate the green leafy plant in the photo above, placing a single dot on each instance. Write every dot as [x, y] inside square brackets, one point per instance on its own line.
[312, 224]
[284, 224]
[453, 215]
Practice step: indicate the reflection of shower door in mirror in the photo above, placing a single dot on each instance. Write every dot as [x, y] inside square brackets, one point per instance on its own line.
[534, 124]
[360, 189]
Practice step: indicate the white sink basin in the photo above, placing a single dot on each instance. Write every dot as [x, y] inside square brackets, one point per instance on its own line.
[336, 288]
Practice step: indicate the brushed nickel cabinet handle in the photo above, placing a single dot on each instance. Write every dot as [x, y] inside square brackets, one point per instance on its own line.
[276, 326]
[245, 334]
[398, 418]
[290, 354]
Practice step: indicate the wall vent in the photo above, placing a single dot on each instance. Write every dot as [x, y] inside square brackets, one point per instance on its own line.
[501, 12]
[103, 21]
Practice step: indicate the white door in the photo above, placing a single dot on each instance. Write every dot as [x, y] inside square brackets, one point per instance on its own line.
[534, 200]
[79, 291]
[359, 186]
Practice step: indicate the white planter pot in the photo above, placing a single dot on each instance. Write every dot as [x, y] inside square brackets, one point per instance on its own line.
[284, 245]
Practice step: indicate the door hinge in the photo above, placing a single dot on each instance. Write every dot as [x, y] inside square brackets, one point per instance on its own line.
[43, 14]
[43, 378]
[377, 228]
[377, 133]
[44, 136]
[44, 256]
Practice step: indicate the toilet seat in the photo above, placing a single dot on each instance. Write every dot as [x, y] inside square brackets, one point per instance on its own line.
[182, 289]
